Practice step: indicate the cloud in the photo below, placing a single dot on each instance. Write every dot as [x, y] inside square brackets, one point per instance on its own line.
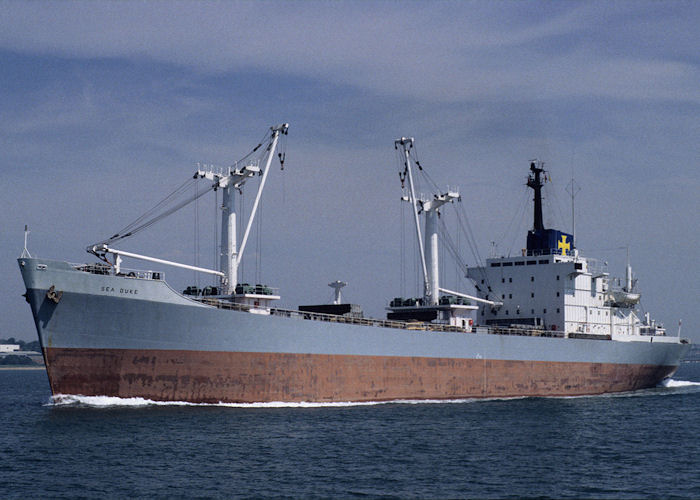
[442, 51]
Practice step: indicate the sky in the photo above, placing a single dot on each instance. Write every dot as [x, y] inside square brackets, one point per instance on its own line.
[106, 107]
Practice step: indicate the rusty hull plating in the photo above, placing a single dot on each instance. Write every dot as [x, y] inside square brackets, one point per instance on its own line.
[232, 377]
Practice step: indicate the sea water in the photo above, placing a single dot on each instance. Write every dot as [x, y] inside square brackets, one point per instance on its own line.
[642, 444]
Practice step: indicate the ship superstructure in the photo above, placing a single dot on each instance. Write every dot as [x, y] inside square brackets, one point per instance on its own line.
[553, 287]
[546, 323]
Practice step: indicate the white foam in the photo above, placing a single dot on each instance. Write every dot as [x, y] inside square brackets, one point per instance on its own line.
[659, 390]
[110, 401]
[107, 401]
[678, 383]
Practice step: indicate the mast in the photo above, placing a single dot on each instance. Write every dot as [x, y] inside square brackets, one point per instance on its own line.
[429, 248]
[535, 182]
[432, 256]
[25, 252]
[407, 143]
[228, 238]
[628, 273]
[230, 182]
[541, 241]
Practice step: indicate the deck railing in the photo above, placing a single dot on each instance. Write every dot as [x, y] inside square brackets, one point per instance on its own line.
[382, 323]
[104, 269]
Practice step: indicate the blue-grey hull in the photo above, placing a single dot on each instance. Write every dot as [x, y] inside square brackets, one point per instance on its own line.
[128, 337]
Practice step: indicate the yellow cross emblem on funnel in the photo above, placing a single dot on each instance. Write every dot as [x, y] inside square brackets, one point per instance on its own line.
[564, 245]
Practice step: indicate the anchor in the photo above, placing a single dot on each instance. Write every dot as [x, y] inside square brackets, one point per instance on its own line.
[53, 295]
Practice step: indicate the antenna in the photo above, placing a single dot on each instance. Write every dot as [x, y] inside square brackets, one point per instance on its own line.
[337, 285]
[572, 188]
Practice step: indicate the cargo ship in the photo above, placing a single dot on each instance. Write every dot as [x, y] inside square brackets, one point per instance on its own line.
[548, 322]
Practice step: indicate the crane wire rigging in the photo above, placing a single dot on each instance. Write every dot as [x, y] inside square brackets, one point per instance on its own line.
[174, 201]
[463, 221]
[148, 218]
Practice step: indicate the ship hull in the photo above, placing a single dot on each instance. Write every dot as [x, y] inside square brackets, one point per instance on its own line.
[106, 335]
[212, 377]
